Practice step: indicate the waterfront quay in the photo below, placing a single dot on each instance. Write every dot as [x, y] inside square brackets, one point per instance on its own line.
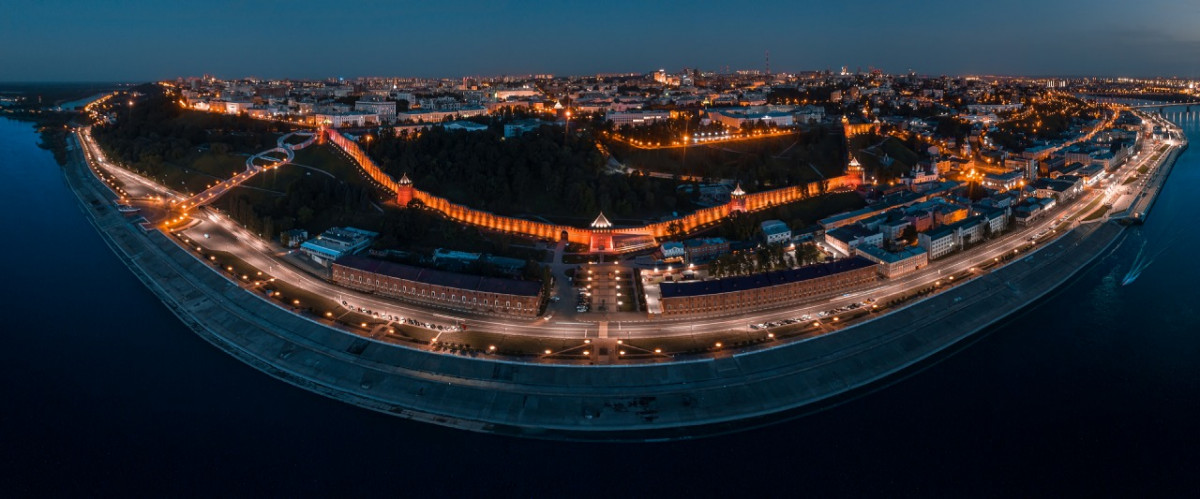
[721, 392]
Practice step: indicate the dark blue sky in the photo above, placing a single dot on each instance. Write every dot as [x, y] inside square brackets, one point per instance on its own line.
[143, 40]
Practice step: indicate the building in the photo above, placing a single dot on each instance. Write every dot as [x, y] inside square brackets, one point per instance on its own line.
[336, 243]
[346, 119]
[238, 107]
[997, 220]
[520, 127]
[735, 118]
[776, 232]
[808, 114]
[947, 213]
[462, 292]
[845, 239]
[1032, 209]
[516, 93]
[293, 238]
[1003, 181]
[893, 227]
[770, 289]
[439, 116]
[970, 230]
[1063, 188]
[636, 118]
[385, 109]
[895, 263]
[468, 126]
[938, 242]
[672, 249]
[920, 219]
[705, 248]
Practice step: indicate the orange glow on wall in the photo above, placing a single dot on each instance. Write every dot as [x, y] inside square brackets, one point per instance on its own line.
[594, 238]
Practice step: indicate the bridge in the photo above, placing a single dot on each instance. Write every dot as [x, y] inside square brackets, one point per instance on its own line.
[1153, 105]
[282, 154]
[1141, 101]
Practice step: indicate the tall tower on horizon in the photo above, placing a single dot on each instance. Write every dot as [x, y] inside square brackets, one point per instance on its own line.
[767, 56]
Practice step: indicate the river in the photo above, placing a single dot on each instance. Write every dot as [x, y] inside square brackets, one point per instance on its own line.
[1094, 391]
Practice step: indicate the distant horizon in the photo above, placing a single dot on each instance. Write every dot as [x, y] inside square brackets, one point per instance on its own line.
[142, 40]
[557, 75]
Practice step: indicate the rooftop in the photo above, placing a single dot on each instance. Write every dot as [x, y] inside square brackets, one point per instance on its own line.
[742, 283]
[891, 256]
[441, 277]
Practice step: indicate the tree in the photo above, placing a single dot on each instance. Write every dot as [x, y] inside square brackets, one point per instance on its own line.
[674, 230]
[909, 234]
[304, 215]
[808, 253]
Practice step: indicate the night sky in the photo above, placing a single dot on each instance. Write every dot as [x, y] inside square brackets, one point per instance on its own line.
[49, 40]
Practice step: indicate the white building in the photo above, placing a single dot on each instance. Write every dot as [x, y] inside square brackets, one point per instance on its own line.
[938, 242]
[336, 243]
[338, 120]
[672, 249]
[846, 239]
[514, 93]
[735, 118]
[776, 232]
[636, 118]
[895, 264]
[385, 109]
[438, 116]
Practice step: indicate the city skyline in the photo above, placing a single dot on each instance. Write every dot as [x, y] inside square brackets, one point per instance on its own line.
[138, 41]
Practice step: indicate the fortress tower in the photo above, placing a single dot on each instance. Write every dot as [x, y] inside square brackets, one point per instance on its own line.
[404, 194]
[856, 168]
[601, 238]
[737, 199]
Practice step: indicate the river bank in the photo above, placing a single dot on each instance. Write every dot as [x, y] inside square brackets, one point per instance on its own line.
[674, 400]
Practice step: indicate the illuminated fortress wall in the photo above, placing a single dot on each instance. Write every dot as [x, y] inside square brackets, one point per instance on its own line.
[696, 220]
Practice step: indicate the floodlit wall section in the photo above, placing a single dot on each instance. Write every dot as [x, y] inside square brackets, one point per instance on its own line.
[696, 220]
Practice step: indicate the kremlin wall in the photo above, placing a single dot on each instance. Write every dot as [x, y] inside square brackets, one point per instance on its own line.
[601, 236]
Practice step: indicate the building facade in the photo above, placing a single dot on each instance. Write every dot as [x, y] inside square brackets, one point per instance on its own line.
[937, 242]
[336, 243]
[771, 289]
[895, 263]
[462, 292]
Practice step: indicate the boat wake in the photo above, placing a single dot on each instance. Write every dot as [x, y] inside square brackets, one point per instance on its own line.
[1140, 263]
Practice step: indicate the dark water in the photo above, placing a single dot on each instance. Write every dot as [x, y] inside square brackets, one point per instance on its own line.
[104, 392]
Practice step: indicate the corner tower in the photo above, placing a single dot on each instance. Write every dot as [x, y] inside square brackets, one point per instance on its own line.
[404, 191]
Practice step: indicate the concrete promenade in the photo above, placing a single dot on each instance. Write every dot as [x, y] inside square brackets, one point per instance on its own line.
[627, 402]
[1145, 199]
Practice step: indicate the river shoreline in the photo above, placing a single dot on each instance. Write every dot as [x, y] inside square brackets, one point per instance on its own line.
[633, 402]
